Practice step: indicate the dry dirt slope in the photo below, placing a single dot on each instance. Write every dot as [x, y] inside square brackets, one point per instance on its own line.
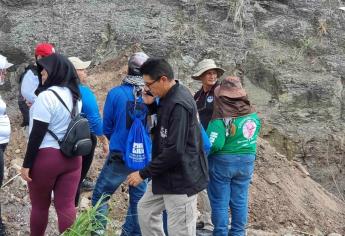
[283, 200]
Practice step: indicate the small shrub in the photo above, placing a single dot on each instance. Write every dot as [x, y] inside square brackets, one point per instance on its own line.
[87, 222]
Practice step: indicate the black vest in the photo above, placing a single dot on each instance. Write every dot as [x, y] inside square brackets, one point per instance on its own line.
[191, 175]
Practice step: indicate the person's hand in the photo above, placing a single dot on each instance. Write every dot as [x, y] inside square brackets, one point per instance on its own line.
[148, 98]
[134, 179]
[24, 173]
[105, 145]
[29, 104]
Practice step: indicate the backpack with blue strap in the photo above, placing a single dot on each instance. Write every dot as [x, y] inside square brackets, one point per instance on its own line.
[138, 146]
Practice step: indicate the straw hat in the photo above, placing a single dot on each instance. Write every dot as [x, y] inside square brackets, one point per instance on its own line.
[205, 65]
[4, 64]
[79, 64]
[230, 87]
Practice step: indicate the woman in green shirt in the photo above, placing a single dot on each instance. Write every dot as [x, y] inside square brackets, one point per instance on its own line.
[233, 132]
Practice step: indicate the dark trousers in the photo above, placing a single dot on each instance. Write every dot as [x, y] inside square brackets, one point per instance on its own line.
[2, 167]
[24, 109]
[86, 164]
[52, 171]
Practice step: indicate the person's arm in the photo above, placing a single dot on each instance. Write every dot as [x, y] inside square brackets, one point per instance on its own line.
[44, 108]
[39, 130]
[175, 144]
[105, 144]
[28, 87]
[217, 134]
[108, 115]
[90, 108]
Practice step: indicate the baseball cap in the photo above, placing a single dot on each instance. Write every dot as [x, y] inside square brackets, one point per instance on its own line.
[79, 64]
[4, 64]
[44, 49]
[135, 62]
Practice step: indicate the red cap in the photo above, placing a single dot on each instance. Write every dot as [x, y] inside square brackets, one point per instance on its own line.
[44, 49]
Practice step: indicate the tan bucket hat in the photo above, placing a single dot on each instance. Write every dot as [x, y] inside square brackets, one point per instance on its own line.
[205, 65]
[79, 64]
[230, 87]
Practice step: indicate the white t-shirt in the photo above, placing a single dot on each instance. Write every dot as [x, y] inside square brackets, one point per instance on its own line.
[47, 108]
[5, 126]
[29, 85]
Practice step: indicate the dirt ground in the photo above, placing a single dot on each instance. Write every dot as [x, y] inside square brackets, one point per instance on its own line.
[284, 200]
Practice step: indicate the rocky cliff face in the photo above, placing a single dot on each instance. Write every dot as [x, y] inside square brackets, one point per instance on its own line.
[290, 51]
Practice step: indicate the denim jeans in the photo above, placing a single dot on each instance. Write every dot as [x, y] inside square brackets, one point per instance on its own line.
[113, 173]
[230, 176]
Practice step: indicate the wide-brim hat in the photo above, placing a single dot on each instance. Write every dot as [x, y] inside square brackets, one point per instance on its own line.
[230, 87]
[4, 64]
[205, 65]
[79, 64]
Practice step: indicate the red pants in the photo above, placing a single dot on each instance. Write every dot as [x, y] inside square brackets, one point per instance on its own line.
[52, 171]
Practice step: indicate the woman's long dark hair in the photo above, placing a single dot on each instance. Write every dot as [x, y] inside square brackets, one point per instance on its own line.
[61, 72]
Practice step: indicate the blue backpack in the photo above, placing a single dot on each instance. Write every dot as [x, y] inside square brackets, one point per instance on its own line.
[138, 146]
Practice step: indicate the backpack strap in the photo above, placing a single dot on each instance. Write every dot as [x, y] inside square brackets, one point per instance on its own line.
[60, 99]
[135, 98]
[64, 104]
[54, 136]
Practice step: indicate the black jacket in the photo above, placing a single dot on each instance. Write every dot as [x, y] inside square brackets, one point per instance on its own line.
[179, 164]
[204, 102]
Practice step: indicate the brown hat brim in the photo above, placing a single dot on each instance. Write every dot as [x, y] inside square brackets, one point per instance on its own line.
[230, 92]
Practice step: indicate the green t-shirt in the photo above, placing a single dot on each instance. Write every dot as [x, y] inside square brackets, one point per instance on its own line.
[234, 136]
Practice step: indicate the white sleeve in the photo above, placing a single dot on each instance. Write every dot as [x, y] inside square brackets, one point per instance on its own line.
[44, 107]
[29, 85]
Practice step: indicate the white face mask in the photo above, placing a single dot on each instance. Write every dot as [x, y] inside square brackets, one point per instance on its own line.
[2, 76]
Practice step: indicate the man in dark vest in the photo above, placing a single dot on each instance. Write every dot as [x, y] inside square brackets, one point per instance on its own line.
[179, 167]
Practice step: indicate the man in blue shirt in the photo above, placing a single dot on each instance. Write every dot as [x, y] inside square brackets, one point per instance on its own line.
[116, 125]
[91, 112]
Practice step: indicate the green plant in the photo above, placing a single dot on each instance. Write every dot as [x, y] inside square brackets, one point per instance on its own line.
[307, 45]
[296, 55]
[88, 221]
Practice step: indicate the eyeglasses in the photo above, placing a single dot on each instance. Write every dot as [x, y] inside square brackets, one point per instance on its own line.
[147, 84]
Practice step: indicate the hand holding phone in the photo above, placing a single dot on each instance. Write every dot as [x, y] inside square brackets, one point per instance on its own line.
[148, 97]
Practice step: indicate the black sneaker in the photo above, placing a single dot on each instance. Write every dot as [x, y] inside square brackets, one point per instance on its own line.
[200, 225]
[87, 185]
[2, 229]
[203, 232]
